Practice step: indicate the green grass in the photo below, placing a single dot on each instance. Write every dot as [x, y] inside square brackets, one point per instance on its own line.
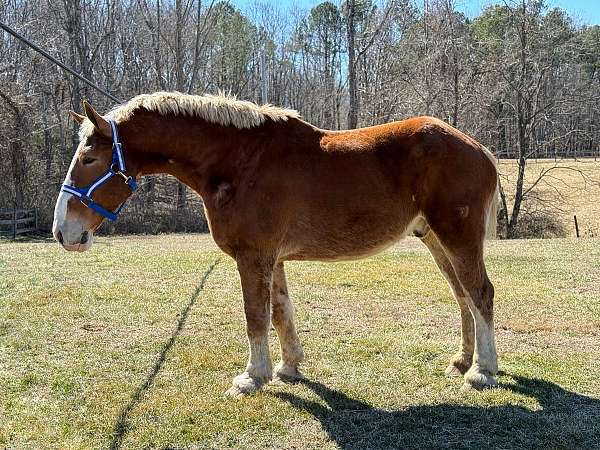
[112, 348]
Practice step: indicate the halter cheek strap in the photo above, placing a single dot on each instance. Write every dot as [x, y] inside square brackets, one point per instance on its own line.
[117, 167]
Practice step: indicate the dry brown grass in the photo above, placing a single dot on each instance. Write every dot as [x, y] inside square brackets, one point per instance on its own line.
[570, 188]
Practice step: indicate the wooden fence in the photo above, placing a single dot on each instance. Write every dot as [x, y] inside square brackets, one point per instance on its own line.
[17, 221]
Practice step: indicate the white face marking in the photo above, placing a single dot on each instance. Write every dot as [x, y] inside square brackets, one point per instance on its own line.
[60, 209]
[71, 229]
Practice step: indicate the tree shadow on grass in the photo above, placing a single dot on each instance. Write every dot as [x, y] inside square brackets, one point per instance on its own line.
[121, 425]
[564, 420]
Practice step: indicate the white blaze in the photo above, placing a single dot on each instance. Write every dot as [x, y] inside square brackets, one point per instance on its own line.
[60, 209]
[71, 228]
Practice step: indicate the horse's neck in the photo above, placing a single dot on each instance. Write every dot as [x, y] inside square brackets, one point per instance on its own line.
[188, 148]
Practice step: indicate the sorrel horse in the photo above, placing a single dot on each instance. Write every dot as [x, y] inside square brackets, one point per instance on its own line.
[276, 188]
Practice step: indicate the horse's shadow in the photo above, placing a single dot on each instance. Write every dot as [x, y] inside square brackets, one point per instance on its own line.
[563, 420]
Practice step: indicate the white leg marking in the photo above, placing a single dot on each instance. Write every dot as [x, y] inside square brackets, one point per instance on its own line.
[485, 362]
[258, 370]
[485, 344]
[259, 362]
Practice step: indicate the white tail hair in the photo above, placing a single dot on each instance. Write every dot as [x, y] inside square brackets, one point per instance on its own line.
[491, 222]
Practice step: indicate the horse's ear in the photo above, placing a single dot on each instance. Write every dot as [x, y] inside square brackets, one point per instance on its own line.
[100, 123]
[77, 117]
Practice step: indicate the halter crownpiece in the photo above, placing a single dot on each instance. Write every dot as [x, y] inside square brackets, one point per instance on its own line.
[117, 167]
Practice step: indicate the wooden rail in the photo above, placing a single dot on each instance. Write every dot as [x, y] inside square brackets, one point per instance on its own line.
[17, 221]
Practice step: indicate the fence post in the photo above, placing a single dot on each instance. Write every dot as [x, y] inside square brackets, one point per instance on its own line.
[14, 223]
[576, 226]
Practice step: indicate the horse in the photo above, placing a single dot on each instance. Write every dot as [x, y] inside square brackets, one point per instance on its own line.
[276, 188]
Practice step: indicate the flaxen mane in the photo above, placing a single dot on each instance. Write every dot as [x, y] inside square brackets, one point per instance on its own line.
[220, 109]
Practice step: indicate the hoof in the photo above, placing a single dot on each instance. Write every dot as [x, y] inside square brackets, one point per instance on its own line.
[453, 371]
[285, 373]
[459, 365]
[477, 378]
[244, 384]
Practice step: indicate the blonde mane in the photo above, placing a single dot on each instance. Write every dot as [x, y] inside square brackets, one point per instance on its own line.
[219, 109]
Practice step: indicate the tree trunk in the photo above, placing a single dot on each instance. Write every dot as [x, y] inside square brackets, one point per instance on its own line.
[180, 86]
[15, 149]
[352, 93]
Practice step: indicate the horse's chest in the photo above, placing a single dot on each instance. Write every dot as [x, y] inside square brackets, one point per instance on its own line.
[236, 227]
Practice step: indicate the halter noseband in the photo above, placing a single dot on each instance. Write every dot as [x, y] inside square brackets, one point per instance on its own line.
[116, 168]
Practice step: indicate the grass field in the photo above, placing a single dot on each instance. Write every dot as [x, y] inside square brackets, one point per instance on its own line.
[570, 188]
[119, 348]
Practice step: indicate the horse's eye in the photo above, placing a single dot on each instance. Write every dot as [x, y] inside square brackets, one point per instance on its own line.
[88, 160]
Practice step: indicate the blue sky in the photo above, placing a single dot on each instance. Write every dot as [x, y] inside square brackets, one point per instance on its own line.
[582, 11]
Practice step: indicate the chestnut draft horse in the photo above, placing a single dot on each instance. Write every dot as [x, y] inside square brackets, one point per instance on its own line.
[276, 188]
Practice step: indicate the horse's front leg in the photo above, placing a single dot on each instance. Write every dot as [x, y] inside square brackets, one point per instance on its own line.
[256, 276]
[282, 313]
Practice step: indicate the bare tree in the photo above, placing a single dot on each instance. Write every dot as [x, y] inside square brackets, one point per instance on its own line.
[522, 79]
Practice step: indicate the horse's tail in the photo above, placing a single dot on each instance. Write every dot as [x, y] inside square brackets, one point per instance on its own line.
[491, 224]
[491, 221]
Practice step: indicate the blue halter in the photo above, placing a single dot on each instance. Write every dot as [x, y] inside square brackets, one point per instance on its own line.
[116, 168]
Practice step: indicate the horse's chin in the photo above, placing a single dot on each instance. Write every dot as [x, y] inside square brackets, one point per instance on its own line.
[80, 247]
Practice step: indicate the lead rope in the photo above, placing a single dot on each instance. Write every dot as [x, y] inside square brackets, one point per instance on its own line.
[56, 61]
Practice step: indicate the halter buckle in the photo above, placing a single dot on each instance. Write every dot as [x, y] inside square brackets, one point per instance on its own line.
[114, 170]
[126, 178]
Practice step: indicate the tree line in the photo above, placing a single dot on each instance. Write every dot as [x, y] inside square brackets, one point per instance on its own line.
[521, 78]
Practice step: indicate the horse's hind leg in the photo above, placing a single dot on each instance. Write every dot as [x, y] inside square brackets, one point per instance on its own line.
[462, 360]
[462, 238]
[468, 265]
[282, 313]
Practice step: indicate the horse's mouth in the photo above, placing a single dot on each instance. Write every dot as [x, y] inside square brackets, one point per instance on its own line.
[85, 242]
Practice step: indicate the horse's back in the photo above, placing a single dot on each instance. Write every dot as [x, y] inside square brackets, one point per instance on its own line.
[422, 159]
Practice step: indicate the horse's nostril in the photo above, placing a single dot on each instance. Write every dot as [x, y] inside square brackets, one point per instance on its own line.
[84, 237]
[60, 237]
